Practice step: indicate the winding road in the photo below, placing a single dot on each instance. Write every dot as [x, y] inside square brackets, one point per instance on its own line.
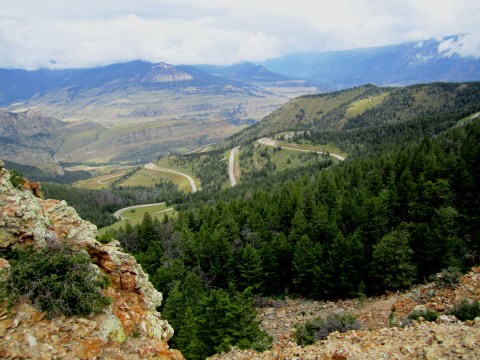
[152, 166]
[231, 166]
[231, 173]
[102, 180]
[270, 142]
[120, 217]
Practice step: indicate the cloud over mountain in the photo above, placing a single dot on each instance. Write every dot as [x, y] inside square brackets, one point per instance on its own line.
[57, 34]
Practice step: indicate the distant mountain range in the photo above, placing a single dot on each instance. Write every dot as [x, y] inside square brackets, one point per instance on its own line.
[401, 64]
[20, 85]
[138, 110]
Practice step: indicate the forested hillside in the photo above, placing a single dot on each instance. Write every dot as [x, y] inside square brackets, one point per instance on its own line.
[404, 205]
[376, 223]
[365, 116]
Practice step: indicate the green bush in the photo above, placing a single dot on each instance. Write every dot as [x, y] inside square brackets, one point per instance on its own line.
[58, 279]
[17, 179]
[428, 315]
[319, 328]
[466, 310]
[448, 277]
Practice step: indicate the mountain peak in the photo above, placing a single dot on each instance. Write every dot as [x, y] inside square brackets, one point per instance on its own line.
[163, 72]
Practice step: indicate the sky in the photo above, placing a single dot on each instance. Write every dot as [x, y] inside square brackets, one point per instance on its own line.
[86, 33]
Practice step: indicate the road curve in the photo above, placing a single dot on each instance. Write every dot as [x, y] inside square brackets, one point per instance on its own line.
[231, 166]
[102, 180]
[152, 166]
[118, 212]
[270, 142]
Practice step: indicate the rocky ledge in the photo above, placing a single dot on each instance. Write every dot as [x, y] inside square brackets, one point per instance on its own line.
[380, 337]
[129, 328]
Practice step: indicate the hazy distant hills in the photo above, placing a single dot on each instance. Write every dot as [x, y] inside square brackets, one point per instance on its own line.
[21, 85]
[401, 64]
[244, 72]
[32, 138]
[18, 85]
[139, 110]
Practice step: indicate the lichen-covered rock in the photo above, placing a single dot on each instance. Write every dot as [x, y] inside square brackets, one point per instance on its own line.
[130, 328]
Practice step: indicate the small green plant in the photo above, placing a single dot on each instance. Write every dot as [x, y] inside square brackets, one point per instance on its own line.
[416, 295]
[319, 328]
[17, 179]
[105, 238]
[466, 310]
[58, 279]
[136, 332]
[428, 315]
[361, 295]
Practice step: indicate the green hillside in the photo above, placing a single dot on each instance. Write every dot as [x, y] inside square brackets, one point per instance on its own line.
[347, 117]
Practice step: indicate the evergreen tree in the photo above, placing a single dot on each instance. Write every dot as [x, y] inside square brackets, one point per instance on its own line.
[305, 257]
[392, 260]
[250, 268]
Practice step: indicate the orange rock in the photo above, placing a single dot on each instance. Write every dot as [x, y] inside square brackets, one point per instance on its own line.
[34, 187]
[340, 354]
[128, 282]
[89, 348]
[107, 265]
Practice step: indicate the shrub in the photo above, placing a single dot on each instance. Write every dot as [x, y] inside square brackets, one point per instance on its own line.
[319, 328]
[58, 279]
[466, 310]
[448, 277]
[17, 179]
[428, 315]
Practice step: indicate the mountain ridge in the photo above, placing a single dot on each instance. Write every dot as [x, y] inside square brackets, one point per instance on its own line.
[397, 64]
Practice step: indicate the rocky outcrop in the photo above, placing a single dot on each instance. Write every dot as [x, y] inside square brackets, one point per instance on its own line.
[129, 328]
[162, 72]
[447, 338]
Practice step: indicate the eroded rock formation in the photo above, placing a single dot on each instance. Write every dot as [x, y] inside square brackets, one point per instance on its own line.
[127, 329]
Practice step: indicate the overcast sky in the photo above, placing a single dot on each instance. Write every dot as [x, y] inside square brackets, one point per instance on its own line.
[83, 33]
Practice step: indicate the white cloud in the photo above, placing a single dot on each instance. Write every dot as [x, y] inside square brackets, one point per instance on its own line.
[467, 45]
[89, 33]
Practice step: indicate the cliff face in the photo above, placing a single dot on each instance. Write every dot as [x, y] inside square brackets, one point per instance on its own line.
[127, 329]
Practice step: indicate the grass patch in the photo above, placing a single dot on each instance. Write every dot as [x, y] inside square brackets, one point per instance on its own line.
[428, 315]
[467, 119]
[122, 223]
[360, 106]
[260, 160]
[99, 182]
[143, 177]
[139, 212]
